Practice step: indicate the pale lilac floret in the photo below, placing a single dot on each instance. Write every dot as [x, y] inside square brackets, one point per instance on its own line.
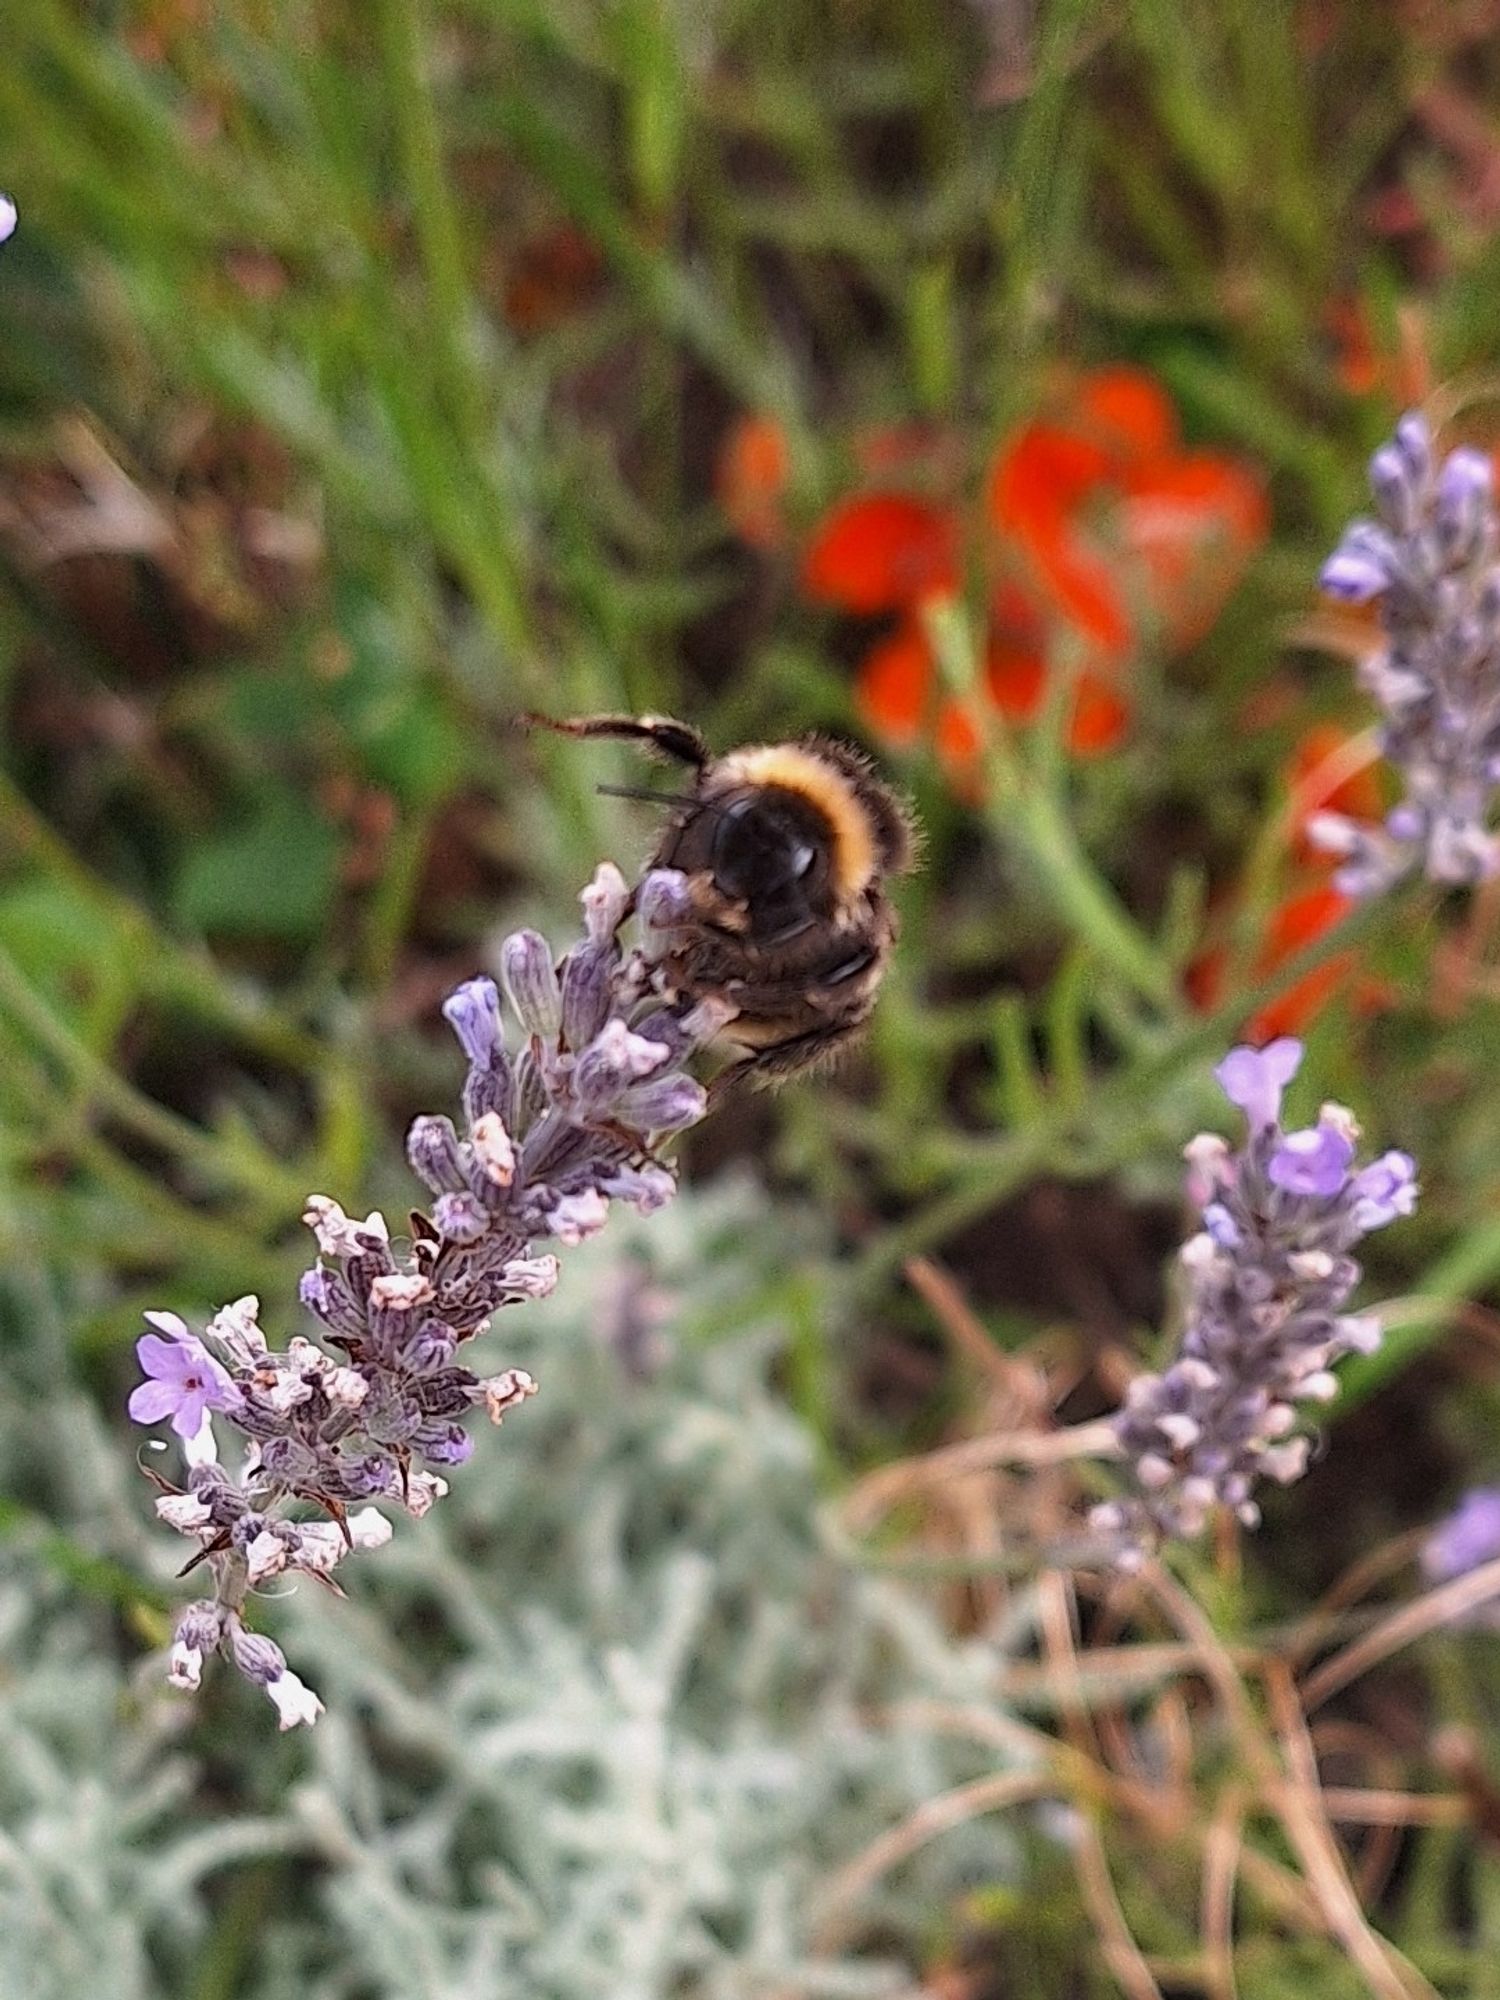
[1268, 1279]
[1385, 1190]
[1314, 1161]
[1254, 1079]
[1353, 576]
[185, 1382]
[9, 217]
[1469, 1538]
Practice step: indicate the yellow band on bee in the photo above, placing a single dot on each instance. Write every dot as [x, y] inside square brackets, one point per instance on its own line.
[794, 769]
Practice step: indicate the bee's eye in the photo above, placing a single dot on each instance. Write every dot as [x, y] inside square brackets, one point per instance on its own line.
[761, 847]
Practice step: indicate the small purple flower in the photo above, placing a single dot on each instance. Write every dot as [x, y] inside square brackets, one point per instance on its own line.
[1352, 577]
[9, 217]
[1221, 1226]
[473, 1012]
[1254, 1079]
[1465, 489]
[185, 1380]
[1312, 1162]
[1385, 1190]
[461, 1217]
[452, 1447]
[1469, 1538]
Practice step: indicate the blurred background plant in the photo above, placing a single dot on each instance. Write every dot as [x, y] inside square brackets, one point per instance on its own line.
[987, 379]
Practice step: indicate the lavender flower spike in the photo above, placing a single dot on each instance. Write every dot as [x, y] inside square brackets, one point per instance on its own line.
[1430, 560]
[552, 1134]
[1268, 1279]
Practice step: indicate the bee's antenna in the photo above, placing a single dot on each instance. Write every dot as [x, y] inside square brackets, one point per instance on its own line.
[657, 798]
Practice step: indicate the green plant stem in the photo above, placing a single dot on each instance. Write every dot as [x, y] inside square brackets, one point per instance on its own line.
[137, 1112]
[1036, 820]
[404, 51]
[1471, 1265]
[168, 968]
[1027, 809]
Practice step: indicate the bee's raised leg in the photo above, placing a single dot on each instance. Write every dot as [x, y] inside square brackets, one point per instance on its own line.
[659, 732]
[766, 1067]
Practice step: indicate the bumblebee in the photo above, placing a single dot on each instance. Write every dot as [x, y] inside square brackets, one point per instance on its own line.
[787, 848]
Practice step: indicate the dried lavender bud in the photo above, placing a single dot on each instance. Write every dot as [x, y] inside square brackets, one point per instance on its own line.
[666, 1104]
[432, 1149]
[606, 904]
[546, 1144]
[259, 1659]
[1268, 1278]
[587, 990]
[664, 901]
[1430, 559]
[531, 986]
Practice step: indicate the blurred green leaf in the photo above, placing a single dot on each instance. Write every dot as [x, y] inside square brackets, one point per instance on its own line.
[271, 876]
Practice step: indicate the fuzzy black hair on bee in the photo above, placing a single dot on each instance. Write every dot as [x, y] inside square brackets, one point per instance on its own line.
[788, 849]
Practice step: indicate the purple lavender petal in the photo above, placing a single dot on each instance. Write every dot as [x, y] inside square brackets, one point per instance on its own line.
[1385, 1190]
[1254, 1079]
[1312, 1162]
[473, 1012]
[151, 1401]
[1468, 1538]
[167, 1360]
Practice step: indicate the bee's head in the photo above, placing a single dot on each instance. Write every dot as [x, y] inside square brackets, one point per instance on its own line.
[797, 832]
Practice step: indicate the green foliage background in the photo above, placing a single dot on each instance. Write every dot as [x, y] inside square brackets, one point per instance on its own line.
[295, 517]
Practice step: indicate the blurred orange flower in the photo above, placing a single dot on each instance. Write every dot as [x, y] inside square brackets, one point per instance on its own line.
[1356, 359]
[883, 552]
[1120, 524]
[1306, 915]
[750, 480]
[1366, 364]
[1099, 530]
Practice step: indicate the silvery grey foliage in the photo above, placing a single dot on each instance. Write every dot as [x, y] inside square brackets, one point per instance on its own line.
[607, 1722]
[1429, 558]
[554, 1132]
[1269, 1276]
